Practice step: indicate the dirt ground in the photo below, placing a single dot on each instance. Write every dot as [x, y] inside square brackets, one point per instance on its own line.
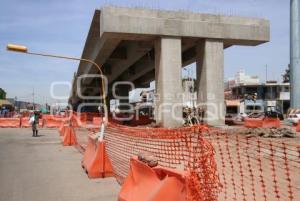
[257, 168]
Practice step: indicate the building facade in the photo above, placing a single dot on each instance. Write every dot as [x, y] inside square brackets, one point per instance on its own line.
[272, 93]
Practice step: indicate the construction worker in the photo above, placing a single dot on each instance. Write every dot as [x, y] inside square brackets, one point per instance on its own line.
[34, 120]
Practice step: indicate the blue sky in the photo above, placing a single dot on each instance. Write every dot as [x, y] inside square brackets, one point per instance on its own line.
[61, 27]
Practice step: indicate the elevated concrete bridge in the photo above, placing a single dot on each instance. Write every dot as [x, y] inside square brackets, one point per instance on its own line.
[142, 45]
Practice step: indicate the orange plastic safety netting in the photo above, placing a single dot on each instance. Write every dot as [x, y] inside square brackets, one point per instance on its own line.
[256, 168]
[224, 165]
[184, 148]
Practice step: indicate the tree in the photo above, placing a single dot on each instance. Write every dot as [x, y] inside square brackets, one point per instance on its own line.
[286, 75]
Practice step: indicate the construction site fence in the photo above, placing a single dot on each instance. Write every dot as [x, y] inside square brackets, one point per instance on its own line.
[81, 119]
[221, 165]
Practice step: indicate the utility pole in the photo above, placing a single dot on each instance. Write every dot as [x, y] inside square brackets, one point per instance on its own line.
[266, 73]
[295, 54]
[33, 107]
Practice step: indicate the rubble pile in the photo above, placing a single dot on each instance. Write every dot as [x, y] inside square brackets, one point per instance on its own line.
[269, 132]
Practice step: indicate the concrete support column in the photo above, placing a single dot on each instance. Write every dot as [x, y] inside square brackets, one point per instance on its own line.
[210, 81]
[168, 64]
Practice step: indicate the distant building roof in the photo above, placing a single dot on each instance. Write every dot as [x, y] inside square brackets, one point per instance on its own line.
[263, 84]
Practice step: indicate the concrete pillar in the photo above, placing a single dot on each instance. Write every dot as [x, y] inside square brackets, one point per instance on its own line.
[168, 64]
[210, 81]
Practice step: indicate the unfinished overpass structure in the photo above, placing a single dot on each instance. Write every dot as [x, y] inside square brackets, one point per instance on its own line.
[141, 45]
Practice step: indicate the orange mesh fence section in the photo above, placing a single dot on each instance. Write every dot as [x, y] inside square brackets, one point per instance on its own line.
[183, 148]
[82, 138]
[256, 168]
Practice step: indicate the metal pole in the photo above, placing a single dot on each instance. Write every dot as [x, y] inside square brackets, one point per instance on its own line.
[266, 73]
[33, 107]
[295, 54]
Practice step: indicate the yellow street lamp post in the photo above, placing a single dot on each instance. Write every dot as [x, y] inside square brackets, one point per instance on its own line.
[23, 49]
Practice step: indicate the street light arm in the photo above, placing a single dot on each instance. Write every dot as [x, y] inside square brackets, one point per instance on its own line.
[78, 59]
[66, 57]
[23, 49]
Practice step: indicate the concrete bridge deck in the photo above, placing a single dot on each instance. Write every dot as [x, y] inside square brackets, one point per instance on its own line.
[41, 169]
[139, 45]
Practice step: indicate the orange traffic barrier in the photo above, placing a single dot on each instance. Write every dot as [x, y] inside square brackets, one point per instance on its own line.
[10, 122]
[253, 123]
[153, 184]
[41, 123]
[47, 116]
[53, 122]
[298, 127]
[25, 122]
[69, 137]
[95, 160]
[271, 123]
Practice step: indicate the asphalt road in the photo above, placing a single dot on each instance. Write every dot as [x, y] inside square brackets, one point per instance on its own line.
[41, 169]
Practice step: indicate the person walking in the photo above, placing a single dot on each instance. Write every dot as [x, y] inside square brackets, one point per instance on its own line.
[34, 120]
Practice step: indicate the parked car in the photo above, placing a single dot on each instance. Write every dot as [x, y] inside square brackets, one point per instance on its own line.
[271, 114]
[233, 119]
[294, 118]
[257, 115]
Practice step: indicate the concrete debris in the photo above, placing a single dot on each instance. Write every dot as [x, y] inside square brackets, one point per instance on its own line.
[148, 158]
[269, 132]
